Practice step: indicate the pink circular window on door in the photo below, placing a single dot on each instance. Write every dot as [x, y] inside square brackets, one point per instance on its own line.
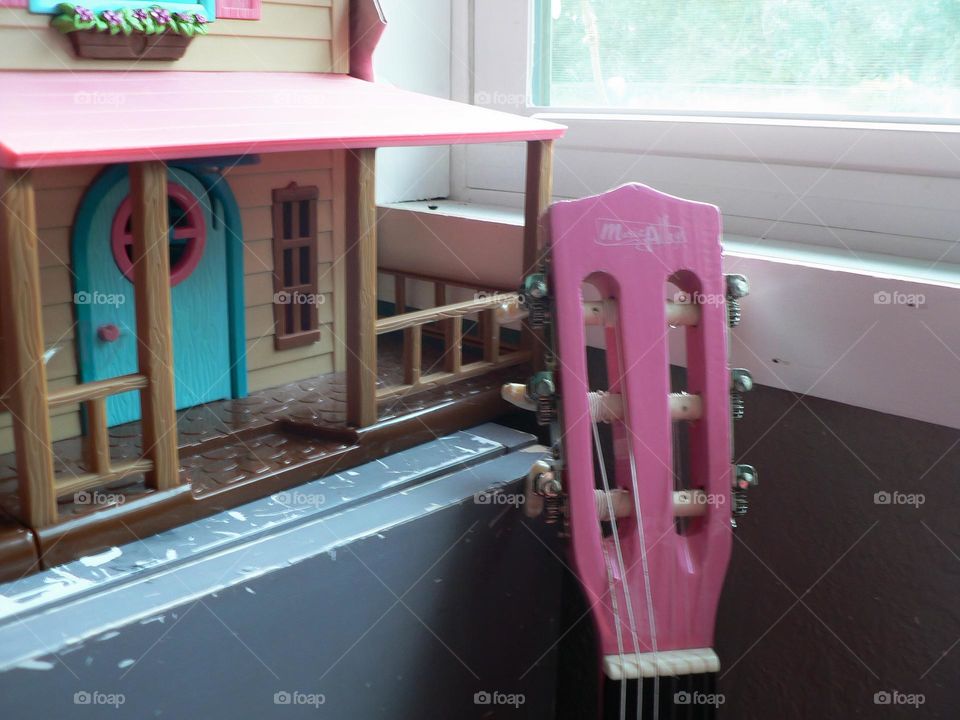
[188, 234]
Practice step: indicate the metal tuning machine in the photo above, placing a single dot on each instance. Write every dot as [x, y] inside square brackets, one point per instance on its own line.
[542, 389]
[741, 381]
[543, 491]
[744, 478]
[737, 287]
[535, 295]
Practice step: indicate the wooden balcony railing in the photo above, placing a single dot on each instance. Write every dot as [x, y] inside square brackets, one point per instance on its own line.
[28, 397]
[440, 291]
[96, 443]
[454, 368]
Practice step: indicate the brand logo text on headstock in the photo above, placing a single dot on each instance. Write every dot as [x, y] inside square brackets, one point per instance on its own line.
[642, 235]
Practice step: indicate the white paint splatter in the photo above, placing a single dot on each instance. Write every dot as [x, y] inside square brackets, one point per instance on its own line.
[237, 515]
[101, 558]
[36, 665]
[108, 636]
[171, 554]
[125, 663]
[250, 590]
[7, 606]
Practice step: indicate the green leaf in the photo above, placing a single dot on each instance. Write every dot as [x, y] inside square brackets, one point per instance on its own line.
[149, 26]
[134, 23]
[114, 29]
[200, 29]
[127, 30]
[81, 25]
[186, 29]
[65, 8]
[63, 23]
[101, 24]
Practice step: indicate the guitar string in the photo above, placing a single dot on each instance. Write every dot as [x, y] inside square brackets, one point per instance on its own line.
[616, 616]
[607, 562]
[643, 548]
[615, 533]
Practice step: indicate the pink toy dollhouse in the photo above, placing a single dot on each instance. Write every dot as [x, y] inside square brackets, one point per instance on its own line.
[188, 266]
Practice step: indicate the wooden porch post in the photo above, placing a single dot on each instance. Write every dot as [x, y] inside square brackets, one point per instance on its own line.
[151, 266]
[539, 190]
[361, 258]
[23, 349]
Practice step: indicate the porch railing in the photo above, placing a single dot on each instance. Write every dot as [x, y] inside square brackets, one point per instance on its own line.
[454, 369]
[96, 443]
[440, 287]
[28, 397]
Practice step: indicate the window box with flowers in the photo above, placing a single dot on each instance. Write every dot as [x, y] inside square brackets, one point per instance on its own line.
[129, 33]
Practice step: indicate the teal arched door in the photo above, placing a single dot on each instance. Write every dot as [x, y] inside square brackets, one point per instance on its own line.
[200, 293]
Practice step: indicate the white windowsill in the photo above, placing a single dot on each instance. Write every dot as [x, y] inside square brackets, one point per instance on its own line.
[812, 256]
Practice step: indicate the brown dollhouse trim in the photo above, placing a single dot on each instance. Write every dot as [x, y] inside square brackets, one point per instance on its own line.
[537, 198]
[23, 349]
[151, 287]
[296, 287]
[18, 549]
[361, 255]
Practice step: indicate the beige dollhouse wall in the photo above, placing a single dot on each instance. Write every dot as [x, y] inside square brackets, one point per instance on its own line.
[291, 35]
[59, 193]
[252, 186]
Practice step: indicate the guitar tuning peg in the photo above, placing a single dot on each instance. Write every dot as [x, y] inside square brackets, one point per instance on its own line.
[535, 296]
[543, 491]
[741, 381]
[542, 385]
[542, 389]
[745, 476]
[535, 286]
[737, 287]
[516, 394]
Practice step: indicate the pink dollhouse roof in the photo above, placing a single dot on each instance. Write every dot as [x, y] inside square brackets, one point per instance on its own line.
[51, 119]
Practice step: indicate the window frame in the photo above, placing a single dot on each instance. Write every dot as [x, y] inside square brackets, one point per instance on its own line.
[497, 38]
[300, 336]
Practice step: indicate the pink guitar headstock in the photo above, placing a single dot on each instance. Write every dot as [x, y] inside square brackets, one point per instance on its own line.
[651, 529]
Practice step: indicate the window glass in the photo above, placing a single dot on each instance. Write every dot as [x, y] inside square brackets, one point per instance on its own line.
[792, 57]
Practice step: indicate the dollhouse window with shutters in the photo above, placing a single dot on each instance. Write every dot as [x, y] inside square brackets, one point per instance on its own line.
[239, 9]
[296, 296]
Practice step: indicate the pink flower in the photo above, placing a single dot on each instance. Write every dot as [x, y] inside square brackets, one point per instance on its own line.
[160, 15]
